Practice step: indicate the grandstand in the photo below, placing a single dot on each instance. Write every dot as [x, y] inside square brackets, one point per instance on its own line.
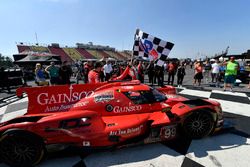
[95, 53]
[80, 52]
[115, 55]
[39, 49]
[73, 54]
[23, 48]
[86, 54]
[104, 54]
[126, 54]
[61, 53]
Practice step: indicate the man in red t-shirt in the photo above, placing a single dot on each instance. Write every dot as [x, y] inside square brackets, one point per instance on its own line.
[93, 75]
[140, 71]
[171, 73]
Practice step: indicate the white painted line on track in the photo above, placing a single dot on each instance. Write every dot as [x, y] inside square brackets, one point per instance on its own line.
[234, 107]
[229, 93]
[197, 93]
[141, 156]
[11, 115]
[222, 150]
[21, 100]
[2, 110]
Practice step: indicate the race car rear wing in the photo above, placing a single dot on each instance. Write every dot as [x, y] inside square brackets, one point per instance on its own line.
[61, 98]
[55, 98]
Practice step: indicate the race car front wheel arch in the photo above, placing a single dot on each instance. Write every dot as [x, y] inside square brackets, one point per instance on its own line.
[21, 148]
[198, 124]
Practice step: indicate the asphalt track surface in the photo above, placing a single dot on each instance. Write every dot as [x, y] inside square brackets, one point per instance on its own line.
[229, 147]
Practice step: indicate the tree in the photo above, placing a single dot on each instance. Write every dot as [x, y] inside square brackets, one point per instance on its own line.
[6, 61]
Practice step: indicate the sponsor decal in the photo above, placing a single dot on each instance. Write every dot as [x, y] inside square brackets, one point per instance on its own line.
[109, 108]
[130, 108]
[81, 104]
[168, 131]
[104, 97]
[58, 108]
[127, 131]
[147, 47]
[48, 99]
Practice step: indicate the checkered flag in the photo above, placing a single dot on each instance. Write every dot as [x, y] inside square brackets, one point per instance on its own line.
[154, 48]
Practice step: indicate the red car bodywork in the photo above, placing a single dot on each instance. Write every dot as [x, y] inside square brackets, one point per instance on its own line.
[106, 114]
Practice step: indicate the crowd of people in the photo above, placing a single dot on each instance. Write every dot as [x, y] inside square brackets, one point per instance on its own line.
[90, 72]
[209, 71]
[216, 72]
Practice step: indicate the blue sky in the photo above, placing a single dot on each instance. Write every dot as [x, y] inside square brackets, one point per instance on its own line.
[196, 27]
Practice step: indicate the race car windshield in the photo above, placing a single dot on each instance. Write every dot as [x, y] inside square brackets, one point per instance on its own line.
[158, 95]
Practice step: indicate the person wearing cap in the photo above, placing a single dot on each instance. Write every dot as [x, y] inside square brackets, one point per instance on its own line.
[53, 72]
[93, 76]
[230, 74]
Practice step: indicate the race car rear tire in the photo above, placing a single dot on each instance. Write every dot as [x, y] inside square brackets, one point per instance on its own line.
[21, 149]
[198, 124]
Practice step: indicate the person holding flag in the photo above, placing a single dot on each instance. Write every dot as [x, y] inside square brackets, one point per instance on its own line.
[153, 48]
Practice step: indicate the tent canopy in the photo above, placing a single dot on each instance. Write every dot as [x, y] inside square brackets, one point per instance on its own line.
[37, 59]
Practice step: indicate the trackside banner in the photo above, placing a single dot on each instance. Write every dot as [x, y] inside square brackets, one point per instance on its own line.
[56, 98]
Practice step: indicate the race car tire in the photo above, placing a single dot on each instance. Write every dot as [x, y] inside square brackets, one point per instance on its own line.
[21, 149]
[198, 124]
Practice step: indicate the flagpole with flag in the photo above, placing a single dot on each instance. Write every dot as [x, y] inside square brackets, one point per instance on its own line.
[149, 46]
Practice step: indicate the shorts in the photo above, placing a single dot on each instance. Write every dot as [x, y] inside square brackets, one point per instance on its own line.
[198, 75]
[230, 79]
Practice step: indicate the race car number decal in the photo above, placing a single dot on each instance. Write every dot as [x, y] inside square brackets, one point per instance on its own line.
[168, 131]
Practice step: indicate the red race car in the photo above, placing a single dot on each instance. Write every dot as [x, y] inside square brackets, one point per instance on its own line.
[103, 115]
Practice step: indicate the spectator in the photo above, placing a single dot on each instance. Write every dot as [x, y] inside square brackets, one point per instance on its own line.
[140, 71]
[79, 73]
[230, 74]
[65, 73]
[107, 69]
[101, 75]
[215, 72]
[171, 73]
[248, 78]
[53, 72]
[198, 73]
[160, 75]
[180, 74]
[86, 69]
[93, 75]
[249, 81]
[151, 72]
[39, 76]
[134, 68]
[191, 64]
[207, 69]
[4, 79]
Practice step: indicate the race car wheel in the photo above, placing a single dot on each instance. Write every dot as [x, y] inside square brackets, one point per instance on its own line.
[21, 149]
[198, 125]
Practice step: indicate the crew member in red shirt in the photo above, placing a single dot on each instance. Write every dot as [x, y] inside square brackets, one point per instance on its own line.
[93, 75]
[140, 71]
[171, 73]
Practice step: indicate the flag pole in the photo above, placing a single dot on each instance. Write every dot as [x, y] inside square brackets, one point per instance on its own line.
[131, 61]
